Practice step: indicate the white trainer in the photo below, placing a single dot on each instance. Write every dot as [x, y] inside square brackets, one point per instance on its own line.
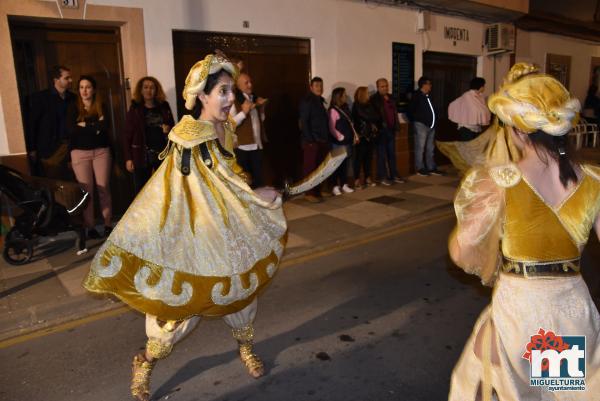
[347, 189]
[336, 191]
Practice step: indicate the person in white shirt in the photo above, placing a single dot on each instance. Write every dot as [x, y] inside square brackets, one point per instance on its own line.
[470, 112]
[249, 115]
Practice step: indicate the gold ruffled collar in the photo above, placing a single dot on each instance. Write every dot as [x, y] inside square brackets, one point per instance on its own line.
[190, 132]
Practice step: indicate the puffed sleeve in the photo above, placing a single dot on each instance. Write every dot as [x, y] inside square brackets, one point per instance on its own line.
[475, 242]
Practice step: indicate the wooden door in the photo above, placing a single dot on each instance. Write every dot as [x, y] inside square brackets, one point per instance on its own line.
[280, 71]
[450, 75]
[94, 51]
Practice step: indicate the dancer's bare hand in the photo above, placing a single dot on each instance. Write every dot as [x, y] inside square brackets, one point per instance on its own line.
[268, 194]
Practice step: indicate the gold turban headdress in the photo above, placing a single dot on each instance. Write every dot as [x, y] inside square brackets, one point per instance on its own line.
[529, 101]
[196, 78]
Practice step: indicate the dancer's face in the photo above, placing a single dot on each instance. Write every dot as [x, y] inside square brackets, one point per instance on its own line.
[217, 103]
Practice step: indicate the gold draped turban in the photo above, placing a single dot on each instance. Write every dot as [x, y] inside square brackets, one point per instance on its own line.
[196, 78]
[529, 101]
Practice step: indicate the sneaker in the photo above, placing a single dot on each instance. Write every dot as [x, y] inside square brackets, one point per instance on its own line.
[370, 183]
[312, 199]
[336, 191]
[423, 172]
[436, 172]
[346, 189]
[385, 182]
[93, 234]
[399, 180]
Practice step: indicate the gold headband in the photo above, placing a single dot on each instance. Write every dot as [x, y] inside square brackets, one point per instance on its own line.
[196, 78]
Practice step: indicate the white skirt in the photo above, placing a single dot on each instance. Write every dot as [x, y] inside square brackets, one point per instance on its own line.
[520, 307]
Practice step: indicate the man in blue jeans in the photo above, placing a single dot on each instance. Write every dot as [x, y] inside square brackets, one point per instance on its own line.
[388, 125]
[423, 117]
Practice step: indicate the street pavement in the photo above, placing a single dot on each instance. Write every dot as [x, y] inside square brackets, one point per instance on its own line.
[364, 308]
[381, 320]
[384, 320]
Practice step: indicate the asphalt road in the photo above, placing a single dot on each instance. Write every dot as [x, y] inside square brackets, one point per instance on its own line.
[385, 320]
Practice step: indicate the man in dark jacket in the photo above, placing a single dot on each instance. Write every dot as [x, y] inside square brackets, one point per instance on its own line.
[315, 133]
[388, 126]
[46, 133]
[423, 118]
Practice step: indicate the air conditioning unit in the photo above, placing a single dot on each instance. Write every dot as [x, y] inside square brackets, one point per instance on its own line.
[500, 38]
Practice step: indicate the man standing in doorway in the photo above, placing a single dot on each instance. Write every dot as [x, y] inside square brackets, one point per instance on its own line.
[315, 133]
[250, 131]
[46, 135]
[423, 117]
[385, 104]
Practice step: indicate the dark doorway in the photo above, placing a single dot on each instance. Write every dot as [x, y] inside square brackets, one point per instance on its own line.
[280, 71]
[91, 50]
[450, 75]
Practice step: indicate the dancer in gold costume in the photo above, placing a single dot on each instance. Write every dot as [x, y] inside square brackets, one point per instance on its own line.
[196, 241]
[524, 217]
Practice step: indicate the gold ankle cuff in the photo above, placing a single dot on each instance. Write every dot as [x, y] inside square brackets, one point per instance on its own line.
[244, 334]
[157, 349]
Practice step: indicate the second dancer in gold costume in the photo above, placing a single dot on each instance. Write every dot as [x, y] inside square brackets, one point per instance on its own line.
[524, 217]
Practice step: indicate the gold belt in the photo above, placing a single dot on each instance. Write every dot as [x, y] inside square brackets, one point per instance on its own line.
[556, 268]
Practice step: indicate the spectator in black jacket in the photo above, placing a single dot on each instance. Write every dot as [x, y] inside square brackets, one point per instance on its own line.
[46, 135]
[315, 133]
[365, 122]
[423, 118]
[385, 105]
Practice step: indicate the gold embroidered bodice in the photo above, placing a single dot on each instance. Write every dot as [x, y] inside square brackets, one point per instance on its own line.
[535, 231]
[500, 214]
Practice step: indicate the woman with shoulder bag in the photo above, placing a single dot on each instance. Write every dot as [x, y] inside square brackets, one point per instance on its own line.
[147, 125]
[343, 135]
[365, 121]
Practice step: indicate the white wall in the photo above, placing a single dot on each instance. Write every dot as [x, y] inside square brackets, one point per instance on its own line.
[532, 47]
[351, 41]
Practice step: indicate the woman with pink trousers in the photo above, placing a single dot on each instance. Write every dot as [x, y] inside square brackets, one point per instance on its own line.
[90, 152]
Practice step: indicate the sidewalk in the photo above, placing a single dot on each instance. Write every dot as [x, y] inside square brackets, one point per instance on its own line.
[48, 291]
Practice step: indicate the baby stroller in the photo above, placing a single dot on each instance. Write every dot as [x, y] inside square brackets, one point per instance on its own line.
[47, 207]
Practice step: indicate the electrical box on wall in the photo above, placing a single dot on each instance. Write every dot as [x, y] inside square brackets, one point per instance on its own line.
[500, 38]
[422, 21]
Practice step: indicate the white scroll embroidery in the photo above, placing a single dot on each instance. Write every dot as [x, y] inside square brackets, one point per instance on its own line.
[271, 269]
[236, 291]
[163, 290]
[113, 268]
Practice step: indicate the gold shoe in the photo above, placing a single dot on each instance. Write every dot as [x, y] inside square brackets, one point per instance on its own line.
[253, 363]
[141, 370]
[244, 337]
